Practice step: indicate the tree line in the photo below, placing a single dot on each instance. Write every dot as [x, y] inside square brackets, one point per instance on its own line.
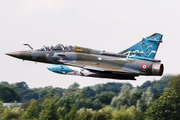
[21, 92]
[114, 101]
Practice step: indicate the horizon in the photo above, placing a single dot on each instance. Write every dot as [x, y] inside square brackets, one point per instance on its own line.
[99, 83]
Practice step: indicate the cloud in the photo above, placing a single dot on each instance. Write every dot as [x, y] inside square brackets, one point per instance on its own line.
[32, 6]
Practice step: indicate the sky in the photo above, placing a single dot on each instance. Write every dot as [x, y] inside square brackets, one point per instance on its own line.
[98, 24]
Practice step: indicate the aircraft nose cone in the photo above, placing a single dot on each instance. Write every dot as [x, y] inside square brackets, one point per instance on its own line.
[13, 54]
[25, 55]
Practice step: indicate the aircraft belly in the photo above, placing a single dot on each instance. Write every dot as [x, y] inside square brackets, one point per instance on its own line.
[71, 70]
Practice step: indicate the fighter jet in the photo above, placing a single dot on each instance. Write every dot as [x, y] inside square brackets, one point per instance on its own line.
[75, 60]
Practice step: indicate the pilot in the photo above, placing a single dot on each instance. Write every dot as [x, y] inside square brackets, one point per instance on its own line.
[66, 48]
[70, 47]
[47, 48]
[59, 47]
[51, 48]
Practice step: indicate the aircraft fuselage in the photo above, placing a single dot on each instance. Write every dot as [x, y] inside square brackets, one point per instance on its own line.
[134, 61]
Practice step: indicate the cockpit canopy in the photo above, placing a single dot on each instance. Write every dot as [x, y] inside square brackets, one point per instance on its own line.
[58, 47]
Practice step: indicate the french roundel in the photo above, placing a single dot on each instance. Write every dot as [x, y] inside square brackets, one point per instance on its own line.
[144, 66]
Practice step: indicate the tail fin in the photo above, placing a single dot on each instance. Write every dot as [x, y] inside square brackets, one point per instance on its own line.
[146, 48]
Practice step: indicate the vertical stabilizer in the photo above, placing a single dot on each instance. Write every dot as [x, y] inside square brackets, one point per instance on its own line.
[146, 48]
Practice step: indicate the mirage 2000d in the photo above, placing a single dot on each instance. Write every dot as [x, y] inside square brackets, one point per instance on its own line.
[75, 60]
